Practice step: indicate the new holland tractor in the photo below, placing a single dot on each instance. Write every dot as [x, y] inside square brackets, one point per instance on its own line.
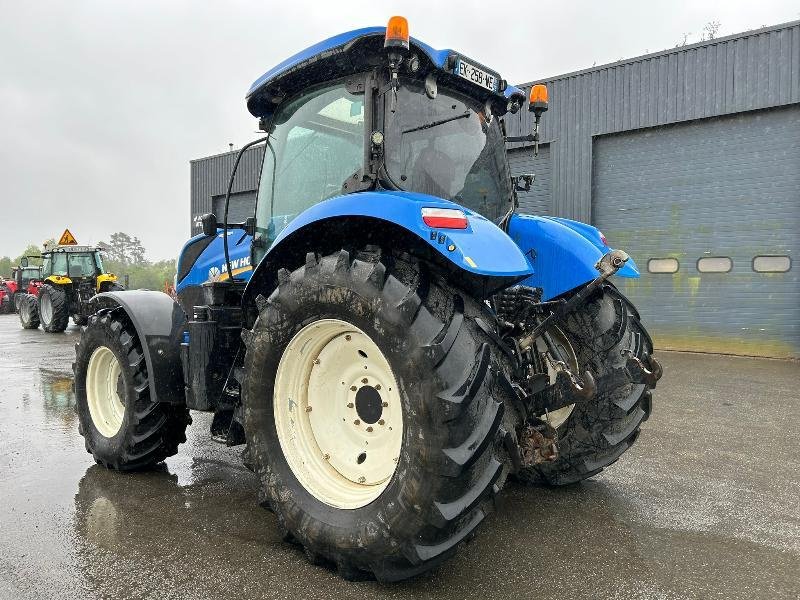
[71, 276]
[386, 334]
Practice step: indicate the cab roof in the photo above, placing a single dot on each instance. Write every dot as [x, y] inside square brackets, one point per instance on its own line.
[347, 53]
[71, 249]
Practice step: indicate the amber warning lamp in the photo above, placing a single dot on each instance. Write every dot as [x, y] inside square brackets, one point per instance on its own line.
[397, 34]
[538, 99]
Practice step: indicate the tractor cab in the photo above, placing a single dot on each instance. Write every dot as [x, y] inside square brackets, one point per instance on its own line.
[377, 110]
[79, 264]
[25, 276]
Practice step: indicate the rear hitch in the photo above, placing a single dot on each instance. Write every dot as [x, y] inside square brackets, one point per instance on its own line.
[566, 390]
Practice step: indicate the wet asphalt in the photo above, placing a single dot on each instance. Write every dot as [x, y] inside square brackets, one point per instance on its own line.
[706, 504]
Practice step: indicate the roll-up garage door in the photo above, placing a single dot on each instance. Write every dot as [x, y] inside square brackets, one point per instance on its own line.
[538, 200]
[710, 210]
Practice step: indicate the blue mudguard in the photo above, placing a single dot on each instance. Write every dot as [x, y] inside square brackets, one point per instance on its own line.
[562, 252]
[482, 249]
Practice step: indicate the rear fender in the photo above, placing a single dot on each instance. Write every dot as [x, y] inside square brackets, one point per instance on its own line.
[563, 252]
[159, 322]
[482, 257]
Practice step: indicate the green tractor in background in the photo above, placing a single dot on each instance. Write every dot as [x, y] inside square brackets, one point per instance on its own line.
[72, 275]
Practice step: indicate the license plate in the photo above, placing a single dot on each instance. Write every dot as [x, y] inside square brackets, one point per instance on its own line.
[475, 75]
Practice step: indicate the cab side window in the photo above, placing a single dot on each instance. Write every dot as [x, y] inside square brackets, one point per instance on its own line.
[59, 264]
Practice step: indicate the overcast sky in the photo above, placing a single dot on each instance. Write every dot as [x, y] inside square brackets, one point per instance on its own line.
[103, 104]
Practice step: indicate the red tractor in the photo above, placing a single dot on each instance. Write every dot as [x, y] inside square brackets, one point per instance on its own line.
[6, 297]
[25, 279]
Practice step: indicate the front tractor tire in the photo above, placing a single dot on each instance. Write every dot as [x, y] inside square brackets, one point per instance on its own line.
[123, 427]
[53, 308]
[601, 336]
[29, 311]
[373, 413]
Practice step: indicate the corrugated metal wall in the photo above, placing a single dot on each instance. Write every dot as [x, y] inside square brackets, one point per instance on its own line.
[209, 178]
[732, 191]
[538, 200]
[753, 70]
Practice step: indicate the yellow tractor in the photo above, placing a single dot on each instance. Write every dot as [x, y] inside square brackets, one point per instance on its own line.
[71, 276]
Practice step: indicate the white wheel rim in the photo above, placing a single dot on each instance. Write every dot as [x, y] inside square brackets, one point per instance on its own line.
[338, 414]
[558, 417]
[102, 379]
[46, 308]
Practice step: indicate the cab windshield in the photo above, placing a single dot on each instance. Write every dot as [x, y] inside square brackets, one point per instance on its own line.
[449, 147]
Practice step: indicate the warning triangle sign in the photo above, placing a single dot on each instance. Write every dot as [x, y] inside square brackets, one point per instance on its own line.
[67, 239]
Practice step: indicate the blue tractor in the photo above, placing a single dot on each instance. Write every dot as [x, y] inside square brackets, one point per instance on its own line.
[386, 335]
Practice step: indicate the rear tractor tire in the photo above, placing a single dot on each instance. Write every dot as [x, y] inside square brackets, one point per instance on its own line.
[599, 337]
[373, 413]
[53, 308]
[123, 427]
[29, 311]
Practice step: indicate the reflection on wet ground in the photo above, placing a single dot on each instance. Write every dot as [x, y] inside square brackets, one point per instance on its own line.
[706, 504]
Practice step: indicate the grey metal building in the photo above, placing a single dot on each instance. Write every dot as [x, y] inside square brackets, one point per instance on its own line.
[690, 160]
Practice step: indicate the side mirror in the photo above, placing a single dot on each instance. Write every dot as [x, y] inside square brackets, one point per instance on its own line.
[209, 223]
[250, 226]
[24, 261]
[522, 183]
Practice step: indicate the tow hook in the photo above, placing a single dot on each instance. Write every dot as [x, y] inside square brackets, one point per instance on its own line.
[571, 388]
[648, 371]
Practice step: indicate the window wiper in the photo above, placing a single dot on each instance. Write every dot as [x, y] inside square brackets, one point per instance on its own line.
[437, 123]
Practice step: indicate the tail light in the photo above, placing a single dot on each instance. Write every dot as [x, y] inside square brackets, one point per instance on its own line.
[444, 218]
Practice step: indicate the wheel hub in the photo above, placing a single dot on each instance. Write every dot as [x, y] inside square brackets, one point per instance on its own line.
[338, 413]
[369, 404]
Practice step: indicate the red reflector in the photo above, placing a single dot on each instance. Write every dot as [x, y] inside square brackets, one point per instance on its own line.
[603, 238]
[444, 218]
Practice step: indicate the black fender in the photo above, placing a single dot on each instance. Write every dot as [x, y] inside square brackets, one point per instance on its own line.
[159, 322]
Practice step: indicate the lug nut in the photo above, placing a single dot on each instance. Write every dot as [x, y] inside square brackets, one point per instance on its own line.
[349, 405]
[348, 337]
[326, 456]
[356, 422]
[381, 422]
[362, 479]
[308, 409]
[378, 386]
[365, 380]
[316, 361]
[369, 429]
[385, 404]
[353, 388]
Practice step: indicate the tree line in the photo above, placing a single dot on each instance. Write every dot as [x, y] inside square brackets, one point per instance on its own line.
[122, 255]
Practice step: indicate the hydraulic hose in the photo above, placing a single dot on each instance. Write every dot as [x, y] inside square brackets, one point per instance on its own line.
[228, 201]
